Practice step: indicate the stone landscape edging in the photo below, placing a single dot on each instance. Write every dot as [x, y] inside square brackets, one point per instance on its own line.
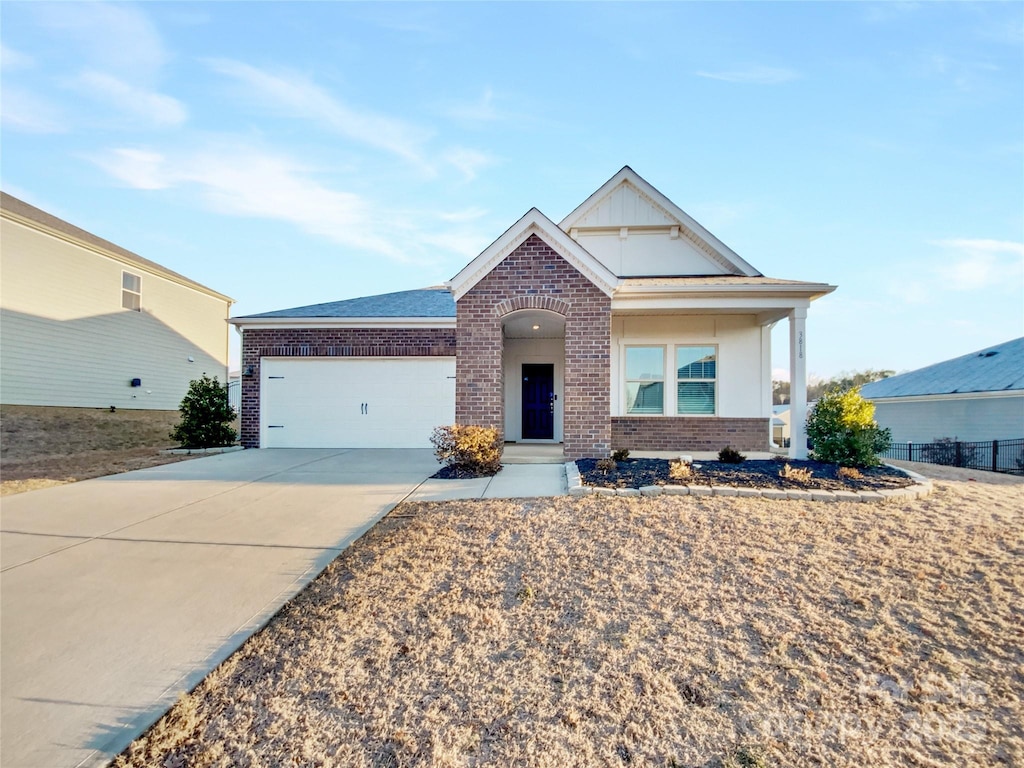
[922, 487]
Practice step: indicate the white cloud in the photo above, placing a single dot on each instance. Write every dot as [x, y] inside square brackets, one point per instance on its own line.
[137, 168]
[112, 37]
[978, 264]
[465, 215]
[469, 162]
[480, 111]
[11, 59]
[294, 95]
[755, 75]
[154, 107]
[28, 113]
[240, 181]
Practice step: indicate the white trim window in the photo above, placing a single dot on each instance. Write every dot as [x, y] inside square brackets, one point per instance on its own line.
[131, 291]
[696, 380]
[645, 381]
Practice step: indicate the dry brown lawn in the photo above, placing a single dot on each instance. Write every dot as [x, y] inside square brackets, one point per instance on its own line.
[45, 446]
[670, 631]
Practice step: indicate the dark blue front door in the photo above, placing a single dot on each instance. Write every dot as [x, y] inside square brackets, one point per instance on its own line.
[538, 401]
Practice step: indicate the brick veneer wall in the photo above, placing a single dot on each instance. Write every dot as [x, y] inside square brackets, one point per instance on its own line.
[672, 433]
[534, 275]
[328, 342]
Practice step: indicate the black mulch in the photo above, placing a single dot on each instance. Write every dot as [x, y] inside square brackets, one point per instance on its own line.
[460, 472]
[752, 473]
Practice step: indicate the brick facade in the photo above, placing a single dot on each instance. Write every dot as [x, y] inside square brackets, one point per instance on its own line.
[674, 433]
[534, 276]
[328, 342]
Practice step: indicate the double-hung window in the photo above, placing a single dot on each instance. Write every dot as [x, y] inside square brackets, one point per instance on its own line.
[696, 375]
[645, 380]
[131, 291]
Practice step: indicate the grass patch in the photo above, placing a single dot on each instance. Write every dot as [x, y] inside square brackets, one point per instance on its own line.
[45, 446]
[638, 631]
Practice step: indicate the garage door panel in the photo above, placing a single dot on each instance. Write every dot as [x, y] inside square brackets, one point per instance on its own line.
[355, 403]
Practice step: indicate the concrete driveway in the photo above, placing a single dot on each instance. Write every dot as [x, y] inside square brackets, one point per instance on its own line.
[121, 592]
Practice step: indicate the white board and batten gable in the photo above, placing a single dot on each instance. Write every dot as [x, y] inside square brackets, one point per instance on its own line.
[635, 231]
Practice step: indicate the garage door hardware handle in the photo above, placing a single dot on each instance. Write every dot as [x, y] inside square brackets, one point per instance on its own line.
[275, 426]
[364, 408]
[275, 377]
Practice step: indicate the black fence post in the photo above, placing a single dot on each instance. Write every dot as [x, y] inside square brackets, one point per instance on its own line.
[995, 455]
[958, 461]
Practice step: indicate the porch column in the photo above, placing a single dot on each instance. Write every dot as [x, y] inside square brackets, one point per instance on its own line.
[798, 383]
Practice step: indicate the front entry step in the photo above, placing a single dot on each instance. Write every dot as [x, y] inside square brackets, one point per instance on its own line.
[533, 453]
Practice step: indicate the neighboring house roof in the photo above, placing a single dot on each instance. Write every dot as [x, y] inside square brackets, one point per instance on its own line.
[20, 211]
[424, 302]
[994, 369]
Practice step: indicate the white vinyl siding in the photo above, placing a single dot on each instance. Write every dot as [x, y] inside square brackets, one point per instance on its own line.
[742, 386]
[67, 340]
[967, 418]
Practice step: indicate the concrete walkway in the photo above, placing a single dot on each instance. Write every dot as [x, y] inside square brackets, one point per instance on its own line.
[515, 481]
[121, 592]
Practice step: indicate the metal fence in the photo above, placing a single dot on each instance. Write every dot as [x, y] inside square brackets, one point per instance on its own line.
[994, 455]
[235, 395]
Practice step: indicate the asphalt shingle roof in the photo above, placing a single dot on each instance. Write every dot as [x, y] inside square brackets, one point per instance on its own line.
[424, 302]
[994, 369]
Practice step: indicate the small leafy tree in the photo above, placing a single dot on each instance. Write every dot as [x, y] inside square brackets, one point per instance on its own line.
[843, 428]
[206, 416]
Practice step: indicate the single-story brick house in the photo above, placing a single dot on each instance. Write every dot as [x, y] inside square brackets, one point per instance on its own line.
[626, 325]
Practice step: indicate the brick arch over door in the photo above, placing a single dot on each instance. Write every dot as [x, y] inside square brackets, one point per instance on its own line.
[534, 276]
[534, 301]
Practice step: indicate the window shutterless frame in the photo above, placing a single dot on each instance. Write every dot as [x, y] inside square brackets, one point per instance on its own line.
[645, 380]
[131, 291]
[696, 376]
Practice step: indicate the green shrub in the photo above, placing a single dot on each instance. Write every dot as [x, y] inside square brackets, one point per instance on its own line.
[472, 447]
[843, 430]
[621, 454]
[730, 455]
[206, 416]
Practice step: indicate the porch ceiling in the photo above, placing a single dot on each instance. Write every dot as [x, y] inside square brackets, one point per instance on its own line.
[520, 325]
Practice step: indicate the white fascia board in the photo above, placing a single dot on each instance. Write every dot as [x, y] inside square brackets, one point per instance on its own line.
[533, 223]
[627, 174]
[808, 291]
[719, 304]
[258, 323]
[1002, 393]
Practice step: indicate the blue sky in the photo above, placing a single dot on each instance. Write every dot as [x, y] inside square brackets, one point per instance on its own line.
[295, 153]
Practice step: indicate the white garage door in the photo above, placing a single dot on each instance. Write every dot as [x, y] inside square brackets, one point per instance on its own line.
[355, 403]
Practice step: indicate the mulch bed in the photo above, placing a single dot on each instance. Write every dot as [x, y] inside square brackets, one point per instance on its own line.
[461, 472]
[753, 473]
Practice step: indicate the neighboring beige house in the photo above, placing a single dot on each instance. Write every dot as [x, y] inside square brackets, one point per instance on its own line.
[780, 425]
[627, 325]
[86, 323]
